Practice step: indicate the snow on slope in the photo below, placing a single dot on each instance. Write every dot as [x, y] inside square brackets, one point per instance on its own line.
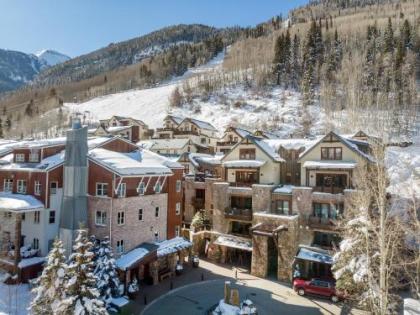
[404, 169]
[14, 299]
[254, 110]
[51, 57]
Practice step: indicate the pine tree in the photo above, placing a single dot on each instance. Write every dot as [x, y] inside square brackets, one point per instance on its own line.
[278, 57]
[295, 63]
[82, 297]
[50, 288]
[406, 36]
[105, 272]
[309, 63]
[389, 42]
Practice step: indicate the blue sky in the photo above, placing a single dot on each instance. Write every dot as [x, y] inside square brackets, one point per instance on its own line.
[75, 27]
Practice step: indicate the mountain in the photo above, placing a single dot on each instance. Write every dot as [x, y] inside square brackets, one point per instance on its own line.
[51, 57]
[17, 69]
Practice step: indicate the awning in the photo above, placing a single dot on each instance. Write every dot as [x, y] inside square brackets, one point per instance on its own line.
[265, 229]
[330, 164]
[141, 254]
[234, 242]
[19, 203]
[172, 246]
[318, 256]
[243, 164]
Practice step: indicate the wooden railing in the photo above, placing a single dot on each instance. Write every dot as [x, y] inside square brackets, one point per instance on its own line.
[331, 190]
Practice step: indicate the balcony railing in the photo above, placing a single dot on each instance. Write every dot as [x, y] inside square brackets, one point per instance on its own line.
[330, 190]
[226, 143]
[242, 184]
[322, 223]
[186, 132]
[239, 214]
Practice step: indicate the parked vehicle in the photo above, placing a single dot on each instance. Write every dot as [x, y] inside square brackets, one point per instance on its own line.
[316, 287]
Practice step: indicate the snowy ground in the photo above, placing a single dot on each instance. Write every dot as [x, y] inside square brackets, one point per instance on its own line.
[14, 299]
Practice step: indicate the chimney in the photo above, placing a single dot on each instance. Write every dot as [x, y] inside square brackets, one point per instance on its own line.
[74, 204]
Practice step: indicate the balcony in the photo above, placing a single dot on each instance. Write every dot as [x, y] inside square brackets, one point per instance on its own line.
[330, 190]
[242, 184]
[238, 214]
[186, 132]
[226, 143]
[315, 222]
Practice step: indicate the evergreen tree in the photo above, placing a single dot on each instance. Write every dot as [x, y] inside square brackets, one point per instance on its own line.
[82, 297]
[107, 281]
[282, 58]
[309, 63]
[278, 57]
[50, 285]
[389, 43]
[406, 36]
[295, 63]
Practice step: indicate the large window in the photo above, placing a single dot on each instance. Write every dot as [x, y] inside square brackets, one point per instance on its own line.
[100, 218]
[141, 189]
[327, 210]
[158, 187]
[281, 207]
[120, 246]
[331, 181]
[120, 218]
[328, 240]
[247, 154]
[21, 186]
[101, 189]
[241, 228]
[239, 202]
[37, 215]
[121, 191]
[8, 184]
[51, 218]
[37, 188]
[20, 157]
[33, 157]
[331, 153]
[246, 177]
[53, 188]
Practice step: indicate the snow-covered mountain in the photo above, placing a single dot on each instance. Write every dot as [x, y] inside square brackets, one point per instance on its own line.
[51, 57]
[18, 68]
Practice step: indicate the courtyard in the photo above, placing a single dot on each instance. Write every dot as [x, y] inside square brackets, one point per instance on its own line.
[198, 289]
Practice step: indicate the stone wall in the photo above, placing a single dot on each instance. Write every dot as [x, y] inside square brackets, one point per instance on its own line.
[261, 197]
[220, 203]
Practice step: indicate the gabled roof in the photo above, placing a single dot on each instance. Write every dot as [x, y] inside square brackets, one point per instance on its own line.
[259, 142]
[164, 144]
[176, 119]
[200, 124]
[202, 158]
[289, 144]
[119, 118]
[351, 146]
[266, 134]
[239, 131]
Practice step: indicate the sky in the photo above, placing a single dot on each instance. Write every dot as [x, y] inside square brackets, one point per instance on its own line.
[76, 27]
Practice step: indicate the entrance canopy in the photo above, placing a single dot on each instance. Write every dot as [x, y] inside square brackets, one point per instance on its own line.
[172, 246]
[144, 253]
[266, 229]
[314, 255]
[233, 241]
[19, 203]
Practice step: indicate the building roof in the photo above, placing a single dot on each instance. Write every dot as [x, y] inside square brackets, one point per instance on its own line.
[164, 144]
[114, 129]
[50, 162]
[243, 163]
[172, 246]
[269, 150]
[201, 124]
[136, 255]
[152, 157]
[314, 254]
[327, 164]
[128, 164]
[233, 241]
[19, 203]
[202, 158]
[175, 119]
[289, 144]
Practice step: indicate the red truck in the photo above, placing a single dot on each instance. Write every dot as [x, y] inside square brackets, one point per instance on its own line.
[316, 287]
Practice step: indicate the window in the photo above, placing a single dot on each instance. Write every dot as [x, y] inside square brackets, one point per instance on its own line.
[8, 184]
[158, 187]
[120, 218]
[20, 157]
[157, 212]
[101, 189]
[329, 181]
[53, 188]
[120, 246]
[247, 154]
[37, 188]
[238, 202]
[100, 218]
[244, 177]
[33, 157]
[281, 207]
[21, 186]
[140, 214]
[241, 228]
[177, 230]
[178, 186]
[178, 208]
[35, 244]
[23, 216]
[121, 190]
[331, 153]
[36, 216]
[327, 210]
[51, 218]
[141, 189]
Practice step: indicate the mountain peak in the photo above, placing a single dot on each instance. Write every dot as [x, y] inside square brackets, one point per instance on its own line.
[51, 57]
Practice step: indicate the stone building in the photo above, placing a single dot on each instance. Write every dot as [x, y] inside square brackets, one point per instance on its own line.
[272, 197]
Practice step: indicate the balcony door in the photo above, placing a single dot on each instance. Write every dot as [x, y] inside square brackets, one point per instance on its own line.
[246, 177]
[331, 183]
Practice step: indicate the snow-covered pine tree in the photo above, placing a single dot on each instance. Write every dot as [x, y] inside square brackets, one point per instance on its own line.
[50, 285]
[105, 272]
[82, 297]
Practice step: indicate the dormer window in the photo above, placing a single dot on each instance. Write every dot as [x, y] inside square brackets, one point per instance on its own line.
[20, 157]
[141, 189]
[33, 157]
[247, 154]
[158, 188]
[331, 153]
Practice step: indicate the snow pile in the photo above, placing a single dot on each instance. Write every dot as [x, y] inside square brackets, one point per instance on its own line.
[17, 202]
[130, 258]
[14, 299]
[404, 170]
[330, 164]
[172, 246]
[244, 163]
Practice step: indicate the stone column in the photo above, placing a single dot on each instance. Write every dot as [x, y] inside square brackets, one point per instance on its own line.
[172, 262]
[261, 197]
[220, 203]
[259, 263]
[154, 272]
[288, 244]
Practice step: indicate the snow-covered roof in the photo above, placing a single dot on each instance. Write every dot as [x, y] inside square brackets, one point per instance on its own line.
[6, 163]
[197, 158]
[19, 203]
[234, 242]
[316, 255]
[284, 189]
[201, 124]
[27, 262]
[41, 143]
[289, 144]
[244, 163]
[152, 157]
[269, 150]
[119, 301]
[128, 163]
[327, 164]
[132, 257]
[117, 128]
[172, 246]
[164, 144]
[175, 119]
